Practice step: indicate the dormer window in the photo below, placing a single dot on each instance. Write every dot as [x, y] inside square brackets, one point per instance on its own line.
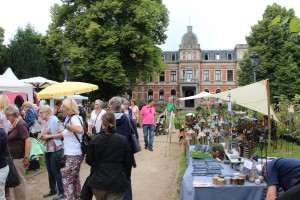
[206, 56]
[173, 57]
[217, 56]
[229, 56]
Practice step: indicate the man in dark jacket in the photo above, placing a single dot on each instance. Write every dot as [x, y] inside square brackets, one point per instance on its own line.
[284, 173]
[125, 126]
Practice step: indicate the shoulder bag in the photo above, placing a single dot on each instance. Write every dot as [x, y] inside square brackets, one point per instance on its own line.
[35, 128]
[135, 144]
[60, 161]
[13, 178]
[86, 139]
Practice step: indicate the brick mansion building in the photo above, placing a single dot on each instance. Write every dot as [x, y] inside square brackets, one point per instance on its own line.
[191, 70]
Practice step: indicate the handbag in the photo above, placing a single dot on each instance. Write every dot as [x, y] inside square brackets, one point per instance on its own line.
[86, 191]
[135, 144]
[60, 161]
[138, 124]
[35, 128]
[13, 178]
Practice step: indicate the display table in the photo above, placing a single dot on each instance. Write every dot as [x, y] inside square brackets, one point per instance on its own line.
[249, 191]
[233, 158]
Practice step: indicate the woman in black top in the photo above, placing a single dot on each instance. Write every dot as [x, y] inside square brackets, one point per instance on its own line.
[4, 169]
[109, 156]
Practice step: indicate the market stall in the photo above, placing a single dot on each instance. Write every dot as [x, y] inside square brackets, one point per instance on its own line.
[202, 187]
[12, 86]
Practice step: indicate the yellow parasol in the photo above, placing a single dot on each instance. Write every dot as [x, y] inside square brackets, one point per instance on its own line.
[65, 89]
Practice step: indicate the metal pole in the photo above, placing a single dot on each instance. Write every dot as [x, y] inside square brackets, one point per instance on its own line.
[254, 74]
[66, 76]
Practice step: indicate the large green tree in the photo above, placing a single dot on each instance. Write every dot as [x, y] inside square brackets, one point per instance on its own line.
[2, 50]
[279, 52]
[24, 55]
[111, 42]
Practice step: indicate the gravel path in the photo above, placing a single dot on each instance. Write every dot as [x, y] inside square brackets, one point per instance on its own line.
[155, 177]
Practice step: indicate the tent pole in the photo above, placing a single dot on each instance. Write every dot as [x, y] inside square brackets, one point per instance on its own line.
[269, 117]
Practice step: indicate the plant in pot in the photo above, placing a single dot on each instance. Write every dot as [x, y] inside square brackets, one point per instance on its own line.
[218, 150]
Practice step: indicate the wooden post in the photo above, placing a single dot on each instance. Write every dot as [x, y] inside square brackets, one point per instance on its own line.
[269, 117]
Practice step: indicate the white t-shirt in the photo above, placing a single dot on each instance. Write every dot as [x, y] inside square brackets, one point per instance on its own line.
[5, 123]
[99, 120]
[71, 145]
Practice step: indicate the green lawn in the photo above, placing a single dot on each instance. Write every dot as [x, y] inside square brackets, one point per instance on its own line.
[286, 150]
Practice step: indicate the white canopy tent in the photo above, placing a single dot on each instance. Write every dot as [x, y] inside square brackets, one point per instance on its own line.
[10, 83]
[197, 96]
[253, 96]
[76, 97]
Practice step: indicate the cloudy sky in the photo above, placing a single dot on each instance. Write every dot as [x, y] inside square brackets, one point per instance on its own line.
[218, 24]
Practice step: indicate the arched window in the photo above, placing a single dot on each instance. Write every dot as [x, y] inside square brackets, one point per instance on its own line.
[217, 56]
[161, 94]
[229, 57]
[218, 91]
[206, 90]
[173, 94]
[206, 56]
[150, 94]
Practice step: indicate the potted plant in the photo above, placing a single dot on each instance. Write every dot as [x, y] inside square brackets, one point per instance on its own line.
[218, 150]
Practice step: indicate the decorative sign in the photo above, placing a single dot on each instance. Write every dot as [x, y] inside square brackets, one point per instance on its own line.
[199, 183]
[247, 167]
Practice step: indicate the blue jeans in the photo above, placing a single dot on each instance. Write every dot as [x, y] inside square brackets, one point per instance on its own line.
[148, 135]
[54, 174]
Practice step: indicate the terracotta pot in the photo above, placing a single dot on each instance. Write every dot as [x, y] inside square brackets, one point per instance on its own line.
[216, 154]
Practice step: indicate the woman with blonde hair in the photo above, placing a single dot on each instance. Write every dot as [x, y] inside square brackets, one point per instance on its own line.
[52, 134]
[72, 149]
[109, 156]
[4, 102]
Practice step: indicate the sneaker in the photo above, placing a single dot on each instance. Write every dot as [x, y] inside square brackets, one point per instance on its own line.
[150, 149]
[146, 147]
[49, 194]
[58, 197]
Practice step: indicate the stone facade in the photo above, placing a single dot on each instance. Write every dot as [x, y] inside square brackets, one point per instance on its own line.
[190, 71]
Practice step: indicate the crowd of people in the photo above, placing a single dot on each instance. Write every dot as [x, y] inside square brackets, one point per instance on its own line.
[62, 127]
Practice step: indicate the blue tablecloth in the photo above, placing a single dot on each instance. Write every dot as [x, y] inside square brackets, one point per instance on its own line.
[249, 191]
